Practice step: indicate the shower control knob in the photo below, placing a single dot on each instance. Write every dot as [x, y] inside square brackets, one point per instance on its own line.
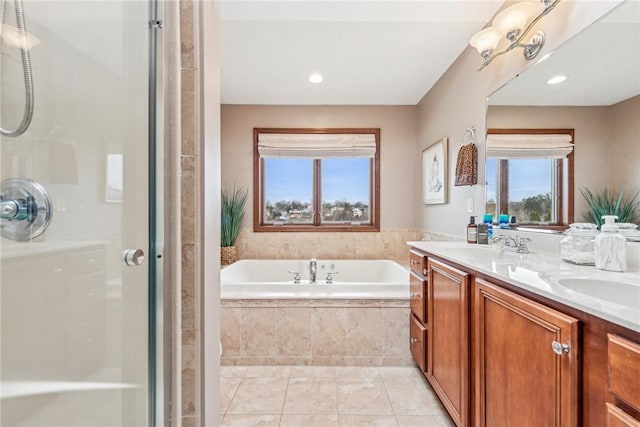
[133, 257]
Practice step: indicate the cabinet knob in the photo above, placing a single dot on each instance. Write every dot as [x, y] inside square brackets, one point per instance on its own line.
[415, 295]
[424, 271]
[560, 348]
[414, 262]
[414, 340]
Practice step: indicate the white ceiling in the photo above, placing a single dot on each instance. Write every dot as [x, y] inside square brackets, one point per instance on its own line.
[369, 53]
[602, 64]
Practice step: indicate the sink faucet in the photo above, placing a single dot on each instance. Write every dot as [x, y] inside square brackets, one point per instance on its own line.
[516, 244]
[313, 269]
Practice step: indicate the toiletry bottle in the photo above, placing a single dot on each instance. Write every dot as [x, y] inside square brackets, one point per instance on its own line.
[472, 230]
[483, 238]
[513, 222]
[503, 221]
[488, 219]
[610, 246]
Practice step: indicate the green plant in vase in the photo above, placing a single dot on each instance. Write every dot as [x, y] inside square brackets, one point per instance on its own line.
[607, 202]
[234, 201]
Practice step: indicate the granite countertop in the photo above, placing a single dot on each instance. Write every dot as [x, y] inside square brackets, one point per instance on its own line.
[609, 295]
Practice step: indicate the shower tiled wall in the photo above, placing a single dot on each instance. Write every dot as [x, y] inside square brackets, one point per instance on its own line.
[190, 235]
[387, 244]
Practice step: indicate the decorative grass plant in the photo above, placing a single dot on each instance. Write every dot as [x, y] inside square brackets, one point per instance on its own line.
[607, 202]
[232, 214]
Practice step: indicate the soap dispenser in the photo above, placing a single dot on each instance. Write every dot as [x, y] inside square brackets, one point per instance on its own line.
[610, 246]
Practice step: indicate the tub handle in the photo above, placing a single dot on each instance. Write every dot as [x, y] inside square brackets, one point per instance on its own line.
[330, 275]
[296, 277]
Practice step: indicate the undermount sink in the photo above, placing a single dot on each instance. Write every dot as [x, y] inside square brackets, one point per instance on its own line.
[623, 294]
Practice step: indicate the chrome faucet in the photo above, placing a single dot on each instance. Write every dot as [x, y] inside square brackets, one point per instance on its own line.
[516, 244]
[313, 269]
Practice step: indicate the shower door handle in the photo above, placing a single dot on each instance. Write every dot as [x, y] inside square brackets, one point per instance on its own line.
[133, 257]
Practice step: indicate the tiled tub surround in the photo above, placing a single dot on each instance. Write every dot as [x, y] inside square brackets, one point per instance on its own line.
[389, 244]
[329, 332]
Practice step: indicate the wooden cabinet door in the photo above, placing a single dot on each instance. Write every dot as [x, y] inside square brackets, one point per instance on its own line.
[519, 379]
[448, 338]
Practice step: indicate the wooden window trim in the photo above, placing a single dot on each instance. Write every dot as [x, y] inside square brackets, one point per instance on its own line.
[564, 219]
[258, 180]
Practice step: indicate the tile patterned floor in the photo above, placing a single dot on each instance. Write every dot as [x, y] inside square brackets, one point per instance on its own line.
[319, 396]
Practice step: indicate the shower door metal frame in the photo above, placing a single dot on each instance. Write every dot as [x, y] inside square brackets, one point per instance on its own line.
[159, 354]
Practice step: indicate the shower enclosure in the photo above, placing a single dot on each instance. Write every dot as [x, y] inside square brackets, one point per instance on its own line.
[78, 252]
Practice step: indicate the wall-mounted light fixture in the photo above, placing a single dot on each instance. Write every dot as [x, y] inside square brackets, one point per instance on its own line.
[511, 23]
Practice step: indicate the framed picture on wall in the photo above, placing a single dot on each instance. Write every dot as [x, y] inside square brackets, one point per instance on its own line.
[434, 173]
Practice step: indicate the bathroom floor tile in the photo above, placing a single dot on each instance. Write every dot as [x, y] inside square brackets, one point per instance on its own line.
[363, 396]
[251, 421]
[399, 371]
[232, 371]
[267, 371]
[411, 396]
[311, 396]
[259, 396]
[424, 421]
[357, 372]
[228, 388]
[313, 372]
[368, 421]
[316, 420]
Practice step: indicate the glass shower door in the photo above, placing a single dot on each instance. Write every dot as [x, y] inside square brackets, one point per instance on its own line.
[75, 194]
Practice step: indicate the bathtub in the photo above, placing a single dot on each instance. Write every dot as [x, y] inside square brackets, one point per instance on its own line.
[355, 279]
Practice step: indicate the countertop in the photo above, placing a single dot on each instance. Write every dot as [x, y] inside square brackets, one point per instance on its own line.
[612, 296]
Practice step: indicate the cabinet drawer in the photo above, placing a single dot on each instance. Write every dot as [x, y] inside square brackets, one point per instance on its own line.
[616, 417]
[417, 294]
[418, 342]
[624, 370]
[418, 262]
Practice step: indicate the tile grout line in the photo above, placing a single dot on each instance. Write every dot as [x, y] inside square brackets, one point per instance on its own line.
[384, 383]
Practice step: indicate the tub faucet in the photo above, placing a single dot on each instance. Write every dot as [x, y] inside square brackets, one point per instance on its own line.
[313, 269]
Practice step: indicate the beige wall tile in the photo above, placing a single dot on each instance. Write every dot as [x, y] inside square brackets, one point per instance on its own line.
[329, 332]
[258, 329]
[230, 331]
[364, 332]
[395, 332]
[293, 331]
[188, 112]
[189, 391]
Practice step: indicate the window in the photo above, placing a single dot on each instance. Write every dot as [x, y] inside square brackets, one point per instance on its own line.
[529, 174]
[316, 179]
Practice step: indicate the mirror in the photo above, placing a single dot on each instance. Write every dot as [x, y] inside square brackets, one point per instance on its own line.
[599, 100]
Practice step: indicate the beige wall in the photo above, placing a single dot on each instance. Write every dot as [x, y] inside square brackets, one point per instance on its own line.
[458, 100]
[624, 146]
[397, 142]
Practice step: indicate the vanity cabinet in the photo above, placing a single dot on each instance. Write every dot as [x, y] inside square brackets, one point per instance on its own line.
[448, 338]
[526, 359]
[500, 355]
[418, 330]
[624, 379]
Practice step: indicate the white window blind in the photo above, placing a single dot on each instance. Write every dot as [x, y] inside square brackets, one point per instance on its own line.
[316, 146]
[514, 146]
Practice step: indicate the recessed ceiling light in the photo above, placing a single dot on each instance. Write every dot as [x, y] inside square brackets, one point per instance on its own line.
[315, 78]
[556, 79]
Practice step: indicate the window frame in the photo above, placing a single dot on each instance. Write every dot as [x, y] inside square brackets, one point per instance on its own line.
[258, 186]
[564, 197]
